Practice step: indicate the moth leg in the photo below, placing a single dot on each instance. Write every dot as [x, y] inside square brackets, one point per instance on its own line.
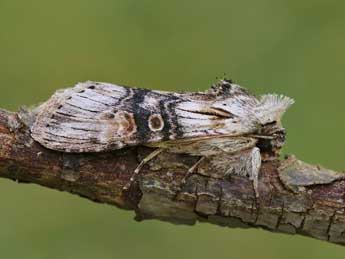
[192, 169]
[141, 164]
[244, 163]
[254, 169]
[249, 164]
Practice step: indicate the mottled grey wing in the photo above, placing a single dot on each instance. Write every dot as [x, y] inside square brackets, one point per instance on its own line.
[89, 117]
[93, 117]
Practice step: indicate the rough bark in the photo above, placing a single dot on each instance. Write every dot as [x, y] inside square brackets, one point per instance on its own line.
[295, 197]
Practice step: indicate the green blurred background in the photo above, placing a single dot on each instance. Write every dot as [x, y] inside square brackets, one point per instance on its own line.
[294, 47]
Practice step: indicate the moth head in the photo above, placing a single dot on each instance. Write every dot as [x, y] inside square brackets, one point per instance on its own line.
[271, 108]
[269, 112]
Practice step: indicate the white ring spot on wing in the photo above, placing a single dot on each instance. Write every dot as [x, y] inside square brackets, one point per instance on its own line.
[156, 122]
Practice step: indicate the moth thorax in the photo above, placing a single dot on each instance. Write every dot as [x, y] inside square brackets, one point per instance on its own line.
[156, 122]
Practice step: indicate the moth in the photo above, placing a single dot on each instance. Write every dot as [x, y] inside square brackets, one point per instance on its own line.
[226, 124]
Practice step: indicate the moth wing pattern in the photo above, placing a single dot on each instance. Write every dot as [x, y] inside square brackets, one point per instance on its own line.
[85, 118]
[94, 117]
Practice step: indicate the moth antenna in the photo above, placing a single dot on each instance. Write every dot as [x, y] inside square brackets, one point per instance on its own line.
[272, 107]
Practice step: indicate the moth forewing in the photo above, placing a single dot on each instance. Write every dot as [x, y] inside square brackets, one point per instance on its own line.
[93, 117]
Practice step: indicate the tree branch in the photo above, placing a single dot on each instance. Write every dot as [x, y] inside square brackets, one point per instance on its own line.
[295, 197]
